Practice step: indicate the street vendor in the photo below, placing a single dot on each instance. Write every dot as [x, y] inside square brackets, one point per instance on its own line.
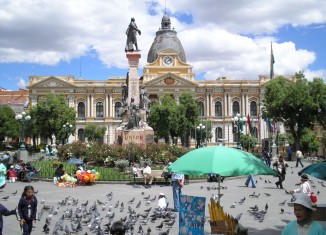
[59, 172]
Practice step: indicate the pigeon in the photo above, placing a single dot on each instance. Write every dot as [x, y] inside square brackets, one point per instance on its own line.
[233, 205]
[149, 230]
[138, 204]
[318, 192]
[140, 229]
[146, 198]
[282, 210]
[165, 232]
[46, 228]
[170, 224]
[14, 193]
[148, 210]
[131, 201]
[5, 198]
[159, 227]
[43, 201]
[266, 207]
[99, 202]
[35, 192]
[282, 203]
[67, 231]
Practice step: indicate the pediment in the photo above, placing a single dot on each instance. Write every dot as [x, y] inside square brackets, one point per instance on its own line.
[52, 82]
[170, 79]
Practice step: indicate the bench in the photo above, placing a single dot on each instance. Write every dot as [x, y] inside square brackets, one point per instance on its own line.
[156, 174]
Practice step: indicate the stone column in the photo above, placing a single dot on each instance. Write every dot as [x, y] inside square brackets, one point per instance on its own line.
[207, 105]
[111, 105]
[229, 106]
[247, 105]
[92, 105]
[225, 108]
[106, 106]
[133, 83]
[71, 101]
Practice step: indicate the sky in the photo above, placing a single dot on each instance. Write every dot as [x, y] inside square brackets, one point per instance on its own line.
[86, 38]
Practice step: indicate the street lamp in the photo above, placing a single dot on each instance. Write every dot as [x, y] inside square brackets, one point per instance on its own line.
[68, 128]
[22, 119]
[239, 121]
[200, 128]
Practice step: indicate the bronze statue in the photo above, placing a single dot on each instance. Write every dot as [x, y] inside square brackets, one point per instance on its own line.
[131, 32]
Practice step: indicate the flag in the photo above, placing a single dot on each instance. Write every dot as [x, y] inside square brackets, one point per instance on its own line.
[249, 123]
[258, 123]
[272, 63]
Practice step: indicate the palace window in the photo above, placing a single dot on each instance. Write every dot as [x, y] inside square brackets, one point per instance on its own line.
[81, 135]
[99, 109]
[253, 108]
[201, 108]
[81, 110]
[218, 109]
[236, 108]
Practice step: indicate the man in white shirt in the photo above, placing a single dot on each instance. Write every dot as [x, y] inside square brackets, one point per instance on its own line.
[148, 178]
[299, 156]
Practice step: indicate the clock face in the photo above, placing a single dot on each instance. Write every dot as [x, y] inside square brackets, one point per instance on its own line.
[168, 60]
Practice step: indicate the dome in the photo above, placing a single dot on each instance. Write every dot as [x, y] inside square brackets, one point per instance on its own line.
[166, 39]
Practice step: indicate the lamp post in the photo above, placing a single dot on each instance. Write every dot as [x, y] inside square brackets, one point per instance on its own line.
[22, 118]
[200, 128]
[239, 121]
[68, 128]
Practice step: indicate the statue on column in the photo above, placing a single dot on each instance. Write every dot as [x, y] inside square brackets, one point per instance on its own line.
[131, 32]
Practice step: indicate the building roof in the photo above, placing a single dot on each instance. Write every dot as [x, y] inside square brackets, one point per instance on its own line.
[166, 39]
[19, 97]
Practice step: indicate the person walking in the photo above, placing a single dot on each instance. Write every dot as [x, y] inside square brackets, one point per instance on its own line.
[177, 184]
[4, 212]
[280, 166]
[252, 180]
[304, 224]
[27, 208]
[299, 156]
[289, 152]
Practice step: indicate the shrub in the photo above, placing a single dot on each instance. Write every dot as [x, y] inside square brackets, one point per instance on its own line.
[121, 164]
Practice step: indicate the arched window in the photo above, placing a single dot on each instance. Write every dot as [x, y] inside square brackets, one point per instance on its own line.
[218, 134]
[116, 108]
[253, 108]
[81, 135]
[236, 108]
[218, 109]
[81, 110]
[99, 109]
[201, 108]
[255, 132]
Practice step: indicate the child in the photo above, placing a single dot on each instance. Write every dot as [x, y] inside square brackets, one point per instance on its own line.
[163, 202]
[12, 175]
[27, 208]
[4, 211]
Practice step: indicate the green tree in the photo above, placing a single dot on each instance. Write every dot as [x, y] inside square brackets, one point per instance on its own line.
[94, 132]
[309, 142]
[49, 116]
[163, 118]
[248, 142]
[9, 127]
[295, 103]
[187, 116]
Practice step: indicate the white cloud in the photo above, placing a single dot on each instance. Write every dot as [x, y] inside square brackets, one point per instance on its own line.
[227, 38]
[21, 83]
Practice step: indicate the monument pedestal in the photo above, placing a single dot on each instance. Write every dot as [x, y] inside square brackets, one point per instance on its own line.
[22, 155]
[137, 136]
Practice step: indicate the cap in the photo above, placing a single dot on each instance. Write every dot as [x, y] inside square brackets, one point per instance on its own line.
[161, 194]
[304, 177]
[302, 199]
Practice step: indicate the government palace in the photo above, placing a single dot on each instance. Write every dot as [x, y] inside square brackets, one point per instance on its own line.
[166, 71]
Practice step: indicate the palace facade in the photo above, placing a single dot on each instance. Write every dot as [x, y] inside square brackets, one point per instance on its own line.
[166, 71]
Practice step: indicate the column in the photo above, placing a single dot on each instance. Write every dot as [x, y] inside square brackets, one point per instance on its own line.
[229, 106]
[106, 106]
[92, 104]
[207, 105]
[242, 111]
[71, 100]
[88, 106]
[111, 105]
[225, 106]
[247, 105]
[212, 106]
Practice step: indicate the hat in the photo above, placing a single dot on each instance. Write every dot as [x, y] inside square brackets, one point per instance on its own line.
[170, 163]
[302, 199]
[161, 194]
[304, 177]
[12, 167]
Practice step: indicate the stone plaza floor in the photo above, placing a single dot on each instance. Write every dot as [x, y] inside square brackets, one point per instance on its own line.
[235, 189]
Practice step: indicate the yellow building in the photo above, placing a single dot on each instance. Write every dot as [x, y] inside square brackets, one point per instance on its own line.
[166, 71]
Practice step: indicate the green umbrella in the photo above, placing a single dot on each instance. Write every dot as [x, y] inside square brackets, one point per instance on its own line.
[220, 160]
[317, 170]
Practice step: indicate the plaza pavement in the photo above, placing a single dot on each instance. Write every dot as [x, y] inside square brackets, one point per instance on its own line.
[235, 190]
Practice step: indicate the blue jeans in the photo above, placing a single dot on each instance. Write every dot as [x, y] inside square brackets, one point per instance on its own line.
[176, 188]
[252, 180]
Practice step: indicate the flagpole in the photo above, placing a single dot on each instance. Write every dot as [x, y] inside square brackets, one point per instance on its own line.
[271, 75]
